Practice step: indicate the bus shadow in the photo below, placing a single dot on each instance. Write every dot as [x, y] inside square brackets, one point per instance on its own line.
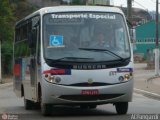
[71, 113]
[65, 111]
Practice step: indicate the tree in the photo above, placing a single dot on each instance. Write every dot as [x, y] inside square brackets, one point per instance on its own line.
[9, 9]
[6, 34]
[6, 21]
[23, 8]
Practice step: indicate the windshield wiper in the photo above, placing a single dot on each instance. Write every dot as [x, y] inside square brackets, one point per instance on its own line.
[72, 58]
[102, 50]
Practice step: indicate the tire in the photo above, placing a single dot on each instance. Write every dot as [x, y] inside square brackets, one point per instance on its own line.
[46, 109]
[92, 106]
[84, 106]
[121, 107]
[28, 104]
[88, 106]
[37, 106]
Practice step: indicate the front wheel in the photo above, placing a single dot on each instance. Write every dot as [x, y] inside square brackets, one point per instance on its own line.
[92, 106]
[121, 107]
[46, 109]
[88, 106]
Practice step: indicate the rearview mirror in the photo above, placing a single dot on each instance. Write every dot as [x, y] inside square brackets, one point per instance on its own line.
[132, 33]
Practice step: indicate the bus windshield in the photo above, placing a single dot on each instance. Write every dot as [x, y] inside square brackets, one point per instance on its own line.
[85, 37]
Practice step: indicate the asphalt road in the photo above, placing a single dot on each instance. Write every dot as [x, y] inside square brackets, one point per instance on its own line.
[12, 105]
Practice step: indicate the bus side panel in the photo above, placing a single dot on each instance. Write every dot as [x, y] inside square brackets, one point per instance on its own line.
[26, 81]
[17, 76]
[22, 77]
[30, 82]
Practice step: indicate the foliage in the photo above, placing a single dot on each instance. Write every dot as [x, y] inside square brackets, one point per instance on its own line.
[7, 57]
[9, 9]
[6, 21]
[19, 9]
[23, 8]
[6, 34]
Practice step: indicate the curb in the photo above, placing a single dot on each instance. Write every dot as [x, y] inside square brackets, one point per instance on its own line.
[6, 85]
[147, 94]
[151, 78]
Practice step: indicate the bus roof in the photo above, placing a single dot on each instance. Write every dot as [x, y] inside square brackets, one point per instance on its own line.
[81, 8]
[73, 9]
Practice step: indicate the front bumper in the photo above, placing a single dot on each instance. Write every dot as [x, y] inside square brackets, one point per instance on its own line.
[58, 94]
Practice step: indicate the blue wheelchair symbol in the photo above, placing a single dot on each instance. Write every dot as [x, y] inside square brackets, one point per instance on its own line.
[56, 40]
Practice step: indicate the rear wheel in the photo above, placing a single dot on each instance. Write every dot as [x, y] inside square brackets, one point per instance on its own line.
[28, 104]
[121, 107]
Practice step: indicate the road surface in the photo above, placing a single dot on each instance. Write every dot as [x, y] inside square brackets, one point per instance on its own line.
[11, 105]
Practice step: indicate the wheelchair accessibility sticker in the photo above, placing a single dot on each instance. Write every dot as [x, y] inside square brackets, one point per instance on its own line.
[56, 41]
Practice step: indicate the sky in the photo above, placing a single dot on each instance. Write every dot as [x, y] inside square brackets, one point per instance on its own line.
[144, 4]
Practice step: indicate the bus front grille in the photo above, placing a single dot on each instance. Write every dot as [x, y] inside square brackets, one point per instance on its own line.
[85, 84]
[89, 97]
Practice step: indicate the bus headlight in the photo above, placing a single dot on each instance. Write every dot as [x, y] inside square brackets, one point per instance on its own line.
[126, 77]
[52, 79]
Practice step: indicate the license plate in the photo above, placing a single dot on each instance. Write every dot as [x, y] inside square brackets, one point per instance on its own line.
[89, 92]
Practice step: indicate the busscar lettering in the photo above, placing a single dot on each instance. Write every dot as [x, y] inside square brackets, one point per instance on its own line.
[89, 66]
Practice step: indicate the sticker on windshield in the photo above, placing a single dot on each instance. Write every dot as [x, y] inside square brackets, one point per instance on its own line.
[56, 41]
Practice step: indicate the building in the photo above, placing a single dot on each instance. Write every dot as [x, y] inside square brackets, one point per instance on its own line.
[45, 3]
[99, 2]
[139, 16]
[145, 38]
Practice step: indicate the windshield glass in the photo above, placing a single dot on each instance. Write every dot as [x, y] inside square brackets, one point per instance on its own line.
[81, 36]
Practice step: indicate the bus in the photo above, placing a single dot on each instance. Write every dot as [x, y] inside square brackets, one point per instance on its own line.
[58, 61]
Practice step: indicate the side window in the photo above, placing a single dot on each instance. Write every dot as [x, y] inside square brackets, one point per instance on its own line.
[17, 34]
[21, 43]
[22, 32]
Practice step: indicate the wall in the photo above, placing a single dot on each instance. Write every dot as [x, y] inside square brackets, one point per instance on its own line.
[145, 37]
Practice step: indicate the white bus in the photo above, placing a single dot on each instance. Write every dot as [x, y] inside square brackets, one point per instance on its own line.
[73, 55]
